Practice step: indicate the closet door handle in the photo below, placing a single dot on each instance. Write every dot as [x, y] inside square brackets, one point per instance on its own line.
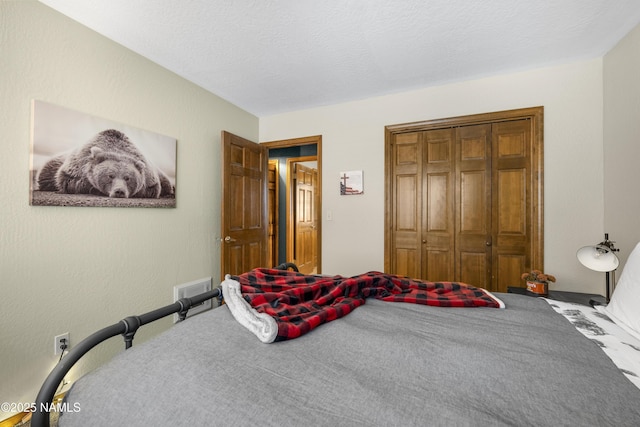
[229, 239]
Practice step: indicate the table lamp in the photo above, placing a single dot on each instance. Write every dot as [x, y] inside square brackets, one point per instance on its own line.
[600, 257]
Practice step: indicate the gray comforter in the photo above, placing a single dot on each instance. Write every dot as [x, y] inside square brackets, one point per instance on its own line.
[387, 364]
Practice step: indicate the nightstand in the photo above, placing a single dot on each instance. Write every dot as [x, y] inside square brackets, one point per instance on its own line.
[576, 297]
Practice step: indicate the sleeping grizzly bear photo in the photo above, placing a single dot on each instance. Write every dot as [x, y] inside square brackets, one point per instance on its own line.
[108, 165]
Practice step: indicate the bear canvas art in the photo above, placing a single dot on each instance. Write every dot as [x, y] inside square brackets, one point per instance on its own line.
[110, 165]
[108, 169]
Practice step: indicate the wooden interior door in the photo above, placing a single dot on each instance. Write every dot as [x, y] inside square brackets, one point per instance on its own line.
[464, 198]
[306, 231]
[273, 190]
[244, 205]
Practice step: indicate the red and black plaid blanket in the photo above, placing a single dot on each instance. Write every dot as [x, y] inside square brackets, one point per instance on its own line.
[300, 303]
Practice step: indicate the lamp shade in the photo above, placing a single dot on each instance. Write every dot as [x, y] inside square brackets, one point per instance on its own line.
[598, 258]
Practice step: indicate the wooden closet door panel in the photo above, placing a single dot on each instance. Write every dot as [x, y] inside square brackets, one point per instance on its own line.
[438, 205]
[512, 199]
[406, 189]
[473, 205]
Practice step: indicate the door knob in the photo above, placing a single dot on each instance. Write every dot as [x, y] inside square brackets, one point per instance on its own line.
[229, 239]
[488, 243]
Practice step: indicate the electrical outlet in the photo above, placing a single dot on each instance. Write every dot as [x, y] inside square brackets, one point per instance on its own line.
[58, 343]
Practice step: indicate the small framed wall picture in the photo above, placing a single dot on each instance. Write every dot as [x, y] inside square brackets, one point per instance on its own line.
[351, 183]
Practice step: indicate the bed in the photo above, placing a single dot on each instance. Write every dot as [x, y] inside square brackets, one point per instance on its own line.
[537, 362]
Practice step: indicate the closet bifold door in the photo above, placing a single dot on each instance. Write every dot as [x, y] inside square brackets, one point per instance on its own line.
[473, 206]
[513, 205]
[493, 219]
[405, 178]
[464, 198]
[438, 195]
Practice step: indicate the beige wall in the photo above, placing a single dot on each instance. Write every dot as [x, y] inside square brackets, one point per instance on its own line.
[353, 138]
[622, 143]
[78, 269]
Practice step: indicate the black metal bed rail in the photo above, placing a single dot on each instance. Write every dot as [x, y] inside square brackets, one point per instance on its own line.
[287, 266]
[127, 327]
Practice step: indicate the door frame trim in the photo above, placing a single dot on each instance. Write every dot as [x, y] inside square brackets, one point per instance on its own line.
[296, 142]
[535, 114]
[275, 249]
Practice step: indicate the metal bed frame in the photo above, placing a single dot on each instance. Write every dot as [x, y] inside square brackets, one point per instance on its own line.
[126, 327]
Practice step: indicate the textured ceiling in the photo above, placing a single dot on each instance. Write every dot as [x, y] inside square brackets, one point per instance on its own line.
[269, 56]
